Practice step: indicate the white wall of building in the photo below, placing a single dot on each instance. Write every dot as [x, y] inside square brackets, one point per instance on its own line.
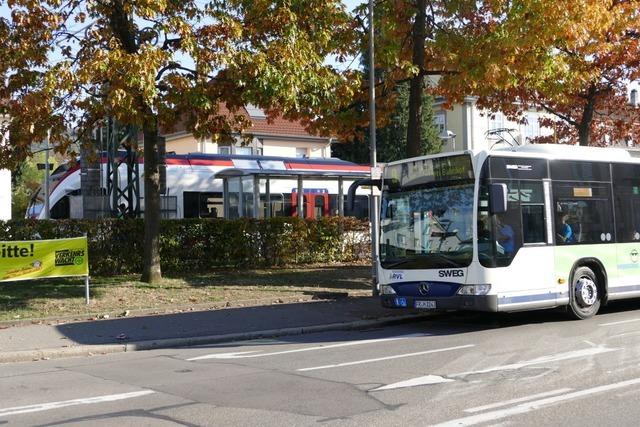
[290, 147]
[5, 195]
[471, 124]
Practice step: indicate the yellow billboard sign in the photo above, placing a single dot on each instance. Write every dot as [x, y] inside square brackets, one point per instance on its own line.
[37, 259]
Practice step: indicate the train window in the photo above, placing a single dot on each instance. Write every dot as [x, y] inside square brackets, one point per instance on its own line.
[61, 209]
[318, 206]
[202, 205]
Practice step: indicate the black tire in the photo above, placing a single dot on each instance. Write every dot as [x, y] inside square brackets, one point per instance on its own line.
[585, 294]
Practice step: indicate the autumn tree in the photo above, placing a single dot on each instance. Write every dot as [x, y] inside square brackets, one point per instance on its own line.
[405, 55]
[69, 65]
[391, 139]
[570, 58]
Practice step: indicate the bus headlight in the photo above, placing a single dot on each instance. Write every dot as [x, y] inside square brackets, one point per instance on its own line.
[474, 289]
[387, 290]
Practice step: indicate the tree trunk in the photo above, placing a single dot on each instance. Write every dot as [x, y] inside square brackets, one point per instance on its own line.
[414, 134]
[124, 29]
[584, 128]
[151, 269]
[584, 134]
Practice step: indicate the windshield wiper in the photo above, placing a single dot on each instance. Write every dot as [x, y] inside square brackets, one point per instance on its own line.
[399, 263]
[446, 258]
[440, 256]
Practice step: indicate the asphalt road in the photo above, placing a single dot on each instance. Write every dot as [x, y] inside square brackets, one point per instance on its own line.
[526, 369]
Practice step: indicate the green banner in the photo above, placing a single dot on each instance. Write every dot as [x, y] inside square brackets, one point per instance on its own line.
[35, 259]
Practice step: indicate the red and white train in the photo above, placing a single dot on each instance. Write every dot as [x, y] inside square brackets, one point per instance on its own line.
[194, 188]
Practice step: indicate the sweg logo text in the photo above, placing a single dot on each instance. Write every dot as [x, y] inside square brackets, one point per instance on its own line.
[451, 273]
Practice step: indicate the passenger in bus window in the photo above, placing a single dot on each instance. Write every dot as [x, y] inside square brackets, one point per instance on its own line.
[506, 237]
[566, 232]
[483, 232]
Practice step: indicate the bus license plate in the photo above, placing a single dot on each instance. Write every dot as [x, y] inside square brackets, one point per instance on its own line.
[426, 304]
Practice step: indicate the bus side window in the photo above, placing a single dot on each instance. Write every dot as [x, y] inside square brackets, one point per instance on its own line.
[586, 209]
[626, 184]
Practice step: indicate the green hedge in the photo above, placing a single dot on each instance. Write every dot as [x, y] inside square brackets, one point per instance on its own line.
[190, 245]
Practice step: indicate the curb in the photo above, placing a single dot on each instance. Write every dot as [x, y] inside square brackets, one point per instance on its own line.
[90, 350]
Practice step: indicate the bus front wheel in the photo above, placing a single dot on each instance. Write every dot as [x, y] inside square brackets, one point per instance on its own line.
[584, 294]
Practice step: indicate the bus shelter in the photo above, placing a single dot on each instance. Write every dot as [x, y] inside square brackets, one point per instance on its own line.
[265, 193]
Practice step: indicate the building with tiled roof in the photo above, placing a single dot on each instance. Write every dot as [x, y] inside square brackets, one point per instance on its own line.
[276, 137]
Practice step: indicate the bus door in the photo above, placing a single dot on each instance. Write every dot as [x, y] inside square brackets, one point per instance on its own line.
[517, 244]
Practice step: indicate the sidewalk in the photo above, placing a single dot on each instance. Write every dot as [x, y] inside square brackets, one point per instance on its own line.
[32, 342]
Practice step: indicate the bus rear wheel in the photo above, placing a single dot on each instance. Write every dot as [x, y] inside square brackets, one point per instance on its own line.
[584, 294]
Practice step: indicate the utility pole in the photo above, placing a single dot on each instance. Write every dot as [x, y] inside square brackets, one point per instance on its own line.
[375, 172]
[47, 210]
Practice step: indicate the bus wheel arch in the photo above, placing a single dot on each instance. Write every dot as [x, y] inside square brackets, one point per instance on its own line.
[587, 288]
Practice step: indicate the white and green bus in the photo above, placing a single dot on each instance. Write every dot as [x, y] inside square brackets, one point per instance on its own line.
[519, 228]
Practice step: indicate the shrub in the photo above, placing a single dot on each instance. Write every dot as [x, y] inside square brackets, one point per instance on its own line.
[188, 245]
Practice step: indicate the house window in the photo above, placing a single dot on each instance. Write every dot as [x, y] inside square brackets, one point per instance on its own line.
[440, 122]
[243, 151]
[496, 121]
[634, 98]
[532, 127]
[224, 149]
[301, 153]
[259, 144]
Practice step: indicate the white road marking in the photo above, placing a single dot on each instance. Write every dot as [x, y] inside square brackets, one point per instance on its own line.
[519, 400]
[63, 404]
[540, 360]
[536, 404]
[544, 359]
[246, 354]
[426, 380]
[621, 322]
[232, 355]
[379, 359]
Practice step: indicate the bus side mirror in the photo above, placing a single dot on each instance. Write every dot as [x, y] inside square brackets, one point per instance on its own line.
[497, 198]
[351, 194]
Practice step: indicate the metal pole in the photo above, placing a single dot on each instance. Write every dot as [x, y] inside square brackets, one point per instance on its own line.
[340, 196]
[373, 209]
[267, 190]
[47, 210]
[300, 197]
[256, 197]
[86, 289]
[241, 199]
[225, 198]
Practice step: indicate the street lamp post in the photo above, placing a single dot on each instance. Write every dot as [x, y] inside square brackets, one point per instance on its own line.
[375, 173]
[47, 210]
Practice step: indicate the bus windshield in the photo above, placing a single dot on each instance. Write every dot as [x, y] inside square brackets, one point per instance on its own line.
[427, 217]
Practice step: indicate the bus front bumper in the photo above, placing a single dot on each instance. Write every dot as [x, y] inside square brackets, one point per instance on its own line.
[457, 302]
